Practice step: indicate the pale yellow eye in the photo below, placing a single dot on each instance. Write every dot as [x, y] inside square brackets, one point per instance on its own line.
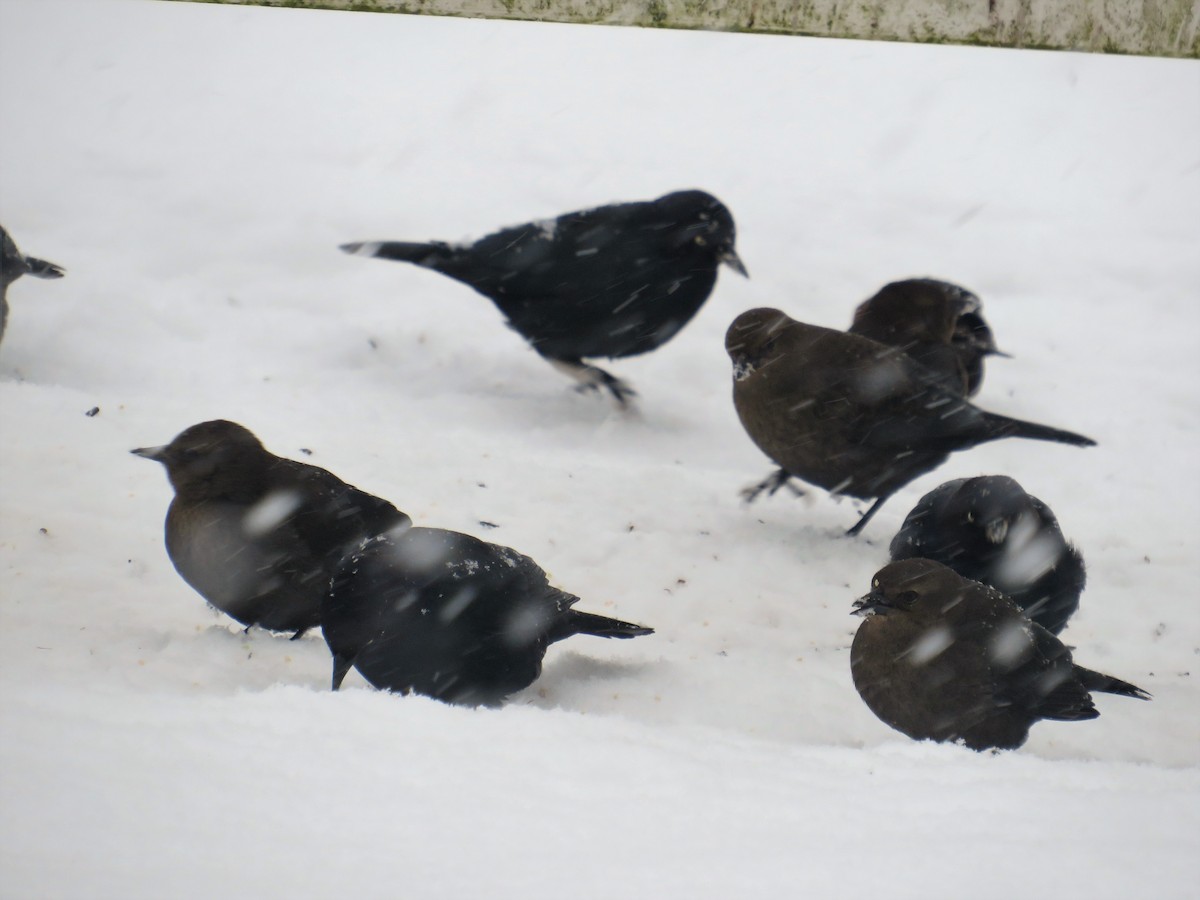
[700, 241]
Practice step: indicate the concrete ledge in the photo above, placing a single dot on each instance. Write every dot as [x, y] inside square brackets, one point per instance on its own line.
[1144, 27]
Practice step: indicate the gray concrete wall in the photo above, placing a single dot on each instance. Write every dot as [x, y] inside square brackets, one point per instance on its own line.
[1148, 27]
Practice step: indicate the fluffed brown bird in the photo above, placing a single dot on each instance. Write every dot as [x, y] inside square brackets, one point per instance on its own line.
[256, 535]
[851, 415]
[943, 658]
[937, 323]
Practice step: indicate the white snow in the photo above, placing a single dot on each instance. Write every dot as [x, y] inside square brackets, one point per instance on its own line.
[195, 168]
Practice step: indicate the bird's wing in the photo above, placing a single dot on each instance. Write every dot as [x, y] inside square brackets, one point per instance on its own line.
[1045, 682]
[328, 515]
[905, 405]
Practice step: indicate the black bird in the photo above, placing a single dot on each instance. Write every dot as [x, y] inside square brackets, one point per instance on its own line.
[613, 281]
[943, 658]
[989, 530]
[851, 415]
[937, 323]
[449, 616]
[258, 536]
[13, 264]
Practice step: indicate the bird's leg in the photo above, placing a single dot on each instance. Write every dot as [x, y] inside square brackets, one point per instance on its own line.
[772, 483]
[866, 517]
[341, 666]
[299, 634]
[593, 378]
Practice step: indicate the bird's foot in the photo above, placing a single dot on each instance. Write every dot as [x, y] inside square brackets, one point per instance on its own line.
[771, 484]
[593, 378]
[866, 517]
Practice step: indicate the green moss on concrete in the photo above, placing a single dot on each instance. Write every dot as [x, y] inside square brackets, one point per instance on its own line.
[1166, 27]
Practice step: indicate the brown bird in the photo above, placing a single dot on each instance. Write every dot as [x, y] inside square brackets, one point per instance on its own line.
[449, 616]
[943, 658]
[256, 535]
[849, 414]
[989, 530]
[937, 323]
[14, 264]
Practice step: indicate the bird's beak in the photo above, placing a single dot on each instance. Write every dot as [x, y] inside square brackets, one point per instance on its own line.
[869, 605]
[742, 369]
[731, 259]
[994, 352]
[158, 454]
[996, 530]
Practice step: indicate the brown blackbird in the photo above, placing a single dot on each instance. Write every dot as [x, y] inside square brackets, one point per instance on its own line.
[849, 414]
[937, 323]
[613, 281]
[258, 536]
[449, 616]
[943, 658]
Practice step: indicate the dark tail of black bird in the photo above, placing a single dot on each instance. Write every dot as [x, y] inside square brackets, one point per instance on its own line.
[430, 255]
[1002, 427]
[573, 623]
[1106, 684]
[39, 268]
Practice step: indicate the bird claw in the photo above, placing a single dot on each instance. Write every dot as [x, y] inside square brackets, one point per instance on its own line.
[593, 378]
[620, 391]
[771, 484]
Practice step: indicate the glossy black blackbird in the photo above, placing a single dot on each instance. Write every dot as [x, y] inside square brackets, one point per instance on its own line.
[14, 264]
[257, 535]
[937, 323]
[943, 658]
[989, 530]
[851, 415]
[449, 616]
[609, 282]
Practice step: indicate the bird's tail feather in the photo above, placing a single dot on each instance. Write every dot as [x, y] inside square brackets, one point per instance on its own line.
[600, 626]
[1106, 684]
[429, 254]
[39, 268]
[1003, 426]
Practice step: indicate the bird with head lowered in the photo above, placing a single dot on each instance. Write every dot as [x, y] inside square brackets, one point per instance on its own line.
[449, 616]
[608, 282]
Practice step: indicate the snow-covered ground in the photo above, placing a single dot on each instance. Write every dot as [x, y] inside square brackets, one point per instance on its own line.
[194, 168]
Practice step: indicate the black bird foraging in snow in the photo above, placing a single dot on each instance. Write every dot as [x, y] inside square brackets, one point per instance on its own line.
[449, 616]
[937, 323]
[608, 282]
[258, 536]
[14, 264]
[942, 658]
[989, 530]
[851, 415]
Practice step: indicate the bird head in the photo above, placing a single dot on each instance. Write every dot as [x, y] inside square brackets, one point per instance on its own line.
[913, 311]
[752, 339]
[216, 459]
[699, 222]
[972, 332]
[899, 587]
[988, 506]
